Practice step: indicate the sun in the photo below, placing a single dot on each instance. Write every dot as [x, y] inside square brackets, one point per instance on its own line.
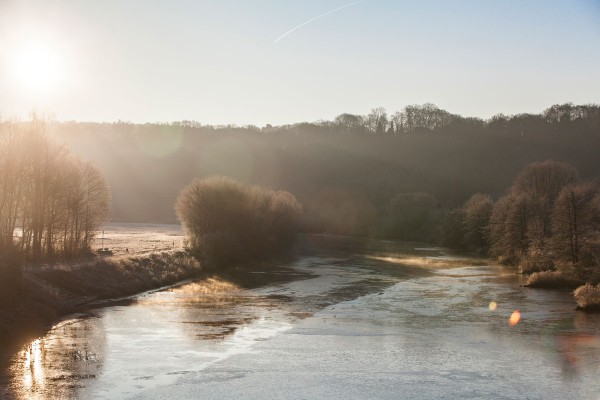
[38, 68]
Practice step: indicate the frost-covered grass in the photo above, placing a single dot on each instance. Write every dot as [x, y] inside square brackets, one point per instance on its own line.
[129, 239]
[112, 277]
[588, 297]
[49, 292]
[554, 280]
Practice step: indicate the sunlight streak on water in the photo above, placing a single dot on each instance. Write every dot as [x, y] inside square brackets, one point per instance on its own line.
[54, 366]
[413, 261]
[33, 368]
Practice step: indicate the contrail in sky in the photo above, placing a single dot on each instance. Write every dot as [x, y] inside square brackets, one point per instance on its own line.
[316, 18]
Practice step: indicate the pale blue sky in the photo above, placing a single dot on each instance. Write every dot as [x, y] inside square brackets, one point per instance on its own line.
[217, 61]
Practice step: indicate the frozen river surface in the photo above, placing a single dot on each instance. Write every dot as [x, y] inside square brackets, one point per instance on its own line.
[347, 328]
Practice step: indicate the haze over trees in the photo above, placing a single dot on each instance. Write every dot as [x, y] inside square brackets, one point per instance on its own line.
[420, 174]
[228, 222]
[411, 216]
[51, 202]
[345, 172]
[408, 176]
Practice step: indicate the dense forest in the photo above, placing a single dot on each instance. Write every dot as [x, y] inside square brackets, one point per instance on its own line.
[379, 175]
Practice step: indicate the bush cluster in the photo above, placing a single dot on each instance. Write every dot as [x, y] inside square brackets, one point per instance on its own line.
[588, 297]
[228, 222]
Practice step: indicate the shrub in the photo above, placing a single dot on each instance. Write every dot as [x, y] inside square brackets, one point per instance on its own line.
[535, 260]
[588, 297]
[227, 222]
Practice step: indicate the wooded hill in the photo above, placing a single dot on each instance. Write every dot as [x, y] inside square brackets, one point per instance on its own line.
[351, 174]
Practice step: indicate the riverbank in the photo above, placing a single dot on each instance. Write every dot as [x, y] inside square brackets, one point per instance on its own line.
[52, 291]
[582, 286]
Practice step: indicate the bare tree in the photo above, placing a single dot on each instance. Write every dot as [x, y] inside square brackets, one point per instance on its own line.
[477, 213]
[520, 225]
[576, 224]
[350, 123]
[377, 120]
[540, 183]
[53, 202]
[508, 228]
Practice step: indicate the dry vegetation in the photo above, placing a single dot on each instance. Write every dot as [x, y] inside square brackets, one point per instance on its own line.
[111, 277]
[127, 240]
[51, 202]
[228, 222]
[554, 280]
[46, 293]
[588, 297]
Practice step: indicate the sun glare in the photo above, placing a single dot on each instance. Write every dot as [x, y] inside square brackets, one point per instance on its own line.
[38, 68]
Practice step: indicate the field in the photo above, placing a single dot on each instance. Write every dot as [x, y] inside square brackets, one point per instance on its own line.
[126, 239]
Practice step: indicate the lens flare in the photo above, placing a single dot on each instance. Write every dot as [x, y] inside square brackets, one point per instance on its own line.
[493, 306]
[514, 318]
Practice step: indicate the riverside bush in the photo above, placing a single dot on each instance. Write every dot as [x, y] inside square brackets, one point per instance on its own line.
[588, 297]
[227, 222]
[554, 280]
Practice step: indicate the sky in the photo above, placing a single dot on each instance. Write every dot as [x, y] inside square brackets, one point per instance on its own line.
[278, 62]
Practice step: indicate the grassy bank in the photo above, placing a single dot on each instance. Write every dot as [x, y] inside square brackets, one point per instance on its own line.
[588, 298]
[585, 293]
[54, 291]
[109, 278]
[554, 280]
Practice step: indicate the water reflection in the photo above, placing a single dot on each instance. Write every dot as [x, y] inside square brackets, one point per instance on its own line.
[211, 309]
[429, 319]
[53, 366]
[33, 370]
[576, 343]
[181, 329]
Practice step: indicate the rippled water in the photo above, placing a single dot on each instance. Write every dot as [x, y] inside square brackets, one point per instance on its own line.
[361, 327]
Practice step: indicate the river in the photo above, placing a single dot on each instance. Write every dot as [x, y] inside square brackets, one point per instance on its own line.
[384, 324]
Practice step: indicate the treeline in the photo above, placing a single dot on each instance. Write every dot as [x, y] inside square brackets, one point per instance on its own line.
[428, 117]
[549, 220]
[342, 171]
[228, 222]
[51, 202]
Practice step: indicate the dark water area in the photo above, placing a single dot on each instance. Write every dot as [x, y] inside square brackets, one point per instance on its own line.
[360, 321]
